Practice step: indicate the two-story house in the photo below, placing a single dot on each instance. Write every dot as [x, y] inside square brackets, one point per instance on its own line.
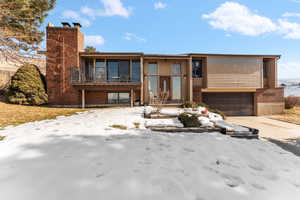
[235, 84]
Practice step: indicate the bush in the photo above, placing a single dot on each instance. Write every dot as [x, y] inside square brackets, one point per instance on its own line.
[290, 102]
[189, 120]
[188, 104]
[27, 87]
[217, 112]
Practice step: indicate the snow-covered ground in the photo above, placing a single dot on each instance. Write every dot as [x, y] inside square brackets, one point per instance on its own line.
[82, 157]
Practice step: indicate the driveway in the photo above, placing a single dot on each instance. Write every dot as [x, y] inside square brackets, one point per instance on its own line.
[269, 128]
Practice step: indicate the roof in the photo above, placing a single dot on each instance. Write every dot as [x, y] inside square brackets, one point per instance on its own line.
[172, 55]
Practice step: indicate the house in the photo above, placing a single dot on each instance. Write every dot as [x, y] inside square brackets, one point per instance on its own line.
[235, 84]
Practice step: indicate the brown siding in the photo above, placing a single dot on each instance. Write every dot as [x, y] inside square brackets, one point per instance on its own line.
[95, 97]
[234, 72]
[269, 101]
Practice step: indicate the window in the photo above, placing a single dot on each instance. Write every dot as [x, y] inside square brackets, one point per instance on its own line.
[124, 70]
[112, 70]
[118, 98]
[265, 69]
[176, 88]
[152, 68]
[118, 70]
[89, 69]
[197, 68]
[136, 71]
[153, 85]
[176, 69]
[100, 71]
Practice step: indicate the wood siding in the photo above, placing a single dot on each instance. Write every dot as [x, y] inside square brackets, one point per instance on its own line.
[234, 72]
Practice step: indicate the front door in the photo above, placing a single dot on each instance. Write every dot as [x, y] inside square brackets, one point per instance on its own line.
[165, 87]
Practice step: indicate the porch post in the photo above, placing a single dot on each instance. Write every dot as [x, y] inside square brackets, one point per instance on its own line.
[142, 81]
[190, 79]
[82, 98]
[131, 97]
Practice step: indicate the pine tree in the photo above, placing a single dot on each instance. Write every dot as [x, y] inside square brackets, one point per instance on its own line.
[20, 21]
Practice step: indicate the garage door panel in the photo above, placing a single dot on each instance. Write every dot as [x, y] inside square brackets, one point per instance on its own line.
[232, 104]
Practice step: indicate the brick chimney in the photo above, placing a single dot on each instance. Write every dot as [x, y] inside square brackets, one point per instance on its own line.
[77, 25]
[63, 47]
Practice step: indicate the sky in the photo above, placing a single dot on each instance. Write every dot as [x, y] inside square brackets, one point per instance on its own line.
[190, 26]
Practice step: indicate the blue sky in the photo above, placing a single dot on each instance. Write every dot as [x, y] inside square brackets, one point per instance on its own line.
[178, 26]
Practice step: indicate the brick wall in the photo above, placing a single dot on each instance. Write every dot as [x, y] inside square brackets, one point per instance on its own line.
[63, 46]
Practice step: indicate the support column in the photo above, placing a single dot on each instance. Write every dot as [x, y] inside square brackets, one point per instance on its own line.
[131, 97]
[190, 80]
[82, 98]
[142, 81]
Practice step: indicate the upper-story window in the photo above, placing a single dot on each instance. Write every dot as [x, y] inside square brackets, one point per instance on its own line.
[118, 70]
[152, 68]
[197, 68]
[135, 71]
[100, 70]
[265, 69]
[176, 69]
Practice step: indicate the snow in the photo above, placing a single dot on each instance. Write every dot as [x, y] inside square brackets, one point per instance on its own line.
[81, 156]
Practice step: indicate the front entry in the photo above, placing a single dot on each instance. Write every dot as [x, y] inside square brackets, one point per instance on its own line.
[165, 87]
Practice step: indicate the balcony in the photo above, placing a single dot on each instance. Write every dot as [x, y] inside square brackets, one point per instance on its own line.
[93, 78]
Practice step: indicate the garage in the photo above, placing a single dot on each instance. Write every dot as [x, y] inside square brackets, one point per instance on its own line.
[232, 104]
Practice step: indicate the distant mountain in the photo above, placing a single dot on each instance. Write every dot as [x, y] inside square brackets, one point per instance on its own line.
[291, 86]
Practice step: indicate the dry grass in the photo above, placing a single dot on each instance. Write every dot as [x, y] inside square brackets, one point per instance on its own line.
[11, 114]
[119, 127]
[290, 115]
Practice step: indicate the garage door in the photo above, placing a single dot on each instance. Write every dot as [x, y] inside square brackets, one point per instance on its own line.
[232, 104]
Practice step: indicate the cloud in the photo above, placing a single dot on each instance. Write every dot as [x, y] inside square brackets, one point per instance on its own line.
[94, 40]
[290, 30]
[289, 14]
[159, 5]
[234, 17]
[131, 36]
[111, 8]
[70, 14]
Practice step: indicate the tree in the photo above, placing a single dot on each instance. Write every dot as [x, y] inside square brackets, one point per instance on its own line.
[20, 21]
[90, 49]
[27, 87]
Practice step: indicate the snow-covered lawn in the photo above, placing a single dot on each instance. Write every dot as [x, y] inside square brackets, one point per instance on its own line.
[82, 157]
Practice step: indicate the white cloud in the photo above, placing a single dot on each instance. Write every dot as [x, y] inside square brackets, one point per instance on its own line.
[159, 5]
[70, 14]
[289, 14]
[111, 8]
[94, 40]
[234, 17]
[131, 36]
[290, 30]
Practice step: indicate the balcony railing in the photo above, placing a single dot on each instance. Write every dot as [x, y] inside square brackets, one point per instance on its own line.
[78, 76]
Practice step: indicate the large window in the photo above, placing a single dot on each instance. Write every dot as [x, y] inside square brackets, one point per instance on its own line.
[89, 69]
[197, 68]
[136, 71]
[176, 69]
[100, 71]
[152, 68]
[153, 86]
[118, 70]
[265, 69]
[112, 70]
[118, 98]
[124, 67]
[176, 88]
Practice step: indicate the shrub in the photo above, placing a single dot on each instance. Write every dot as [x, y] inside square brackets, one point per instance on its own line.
[189, 120]
[119, 127]
[2, 137]
[27, 87]
[136, 124]
[189, 104]
[217, 112]
[290, 102]
[202, 105]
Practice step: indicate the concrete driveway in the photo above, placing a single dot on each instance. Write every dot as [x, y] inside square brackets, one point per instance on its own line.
[269, 128]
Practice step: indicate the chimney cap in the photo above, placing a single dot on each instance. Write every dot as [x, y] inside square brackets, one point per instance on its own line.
[76, 24]
[50, 24]
[66, 24]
